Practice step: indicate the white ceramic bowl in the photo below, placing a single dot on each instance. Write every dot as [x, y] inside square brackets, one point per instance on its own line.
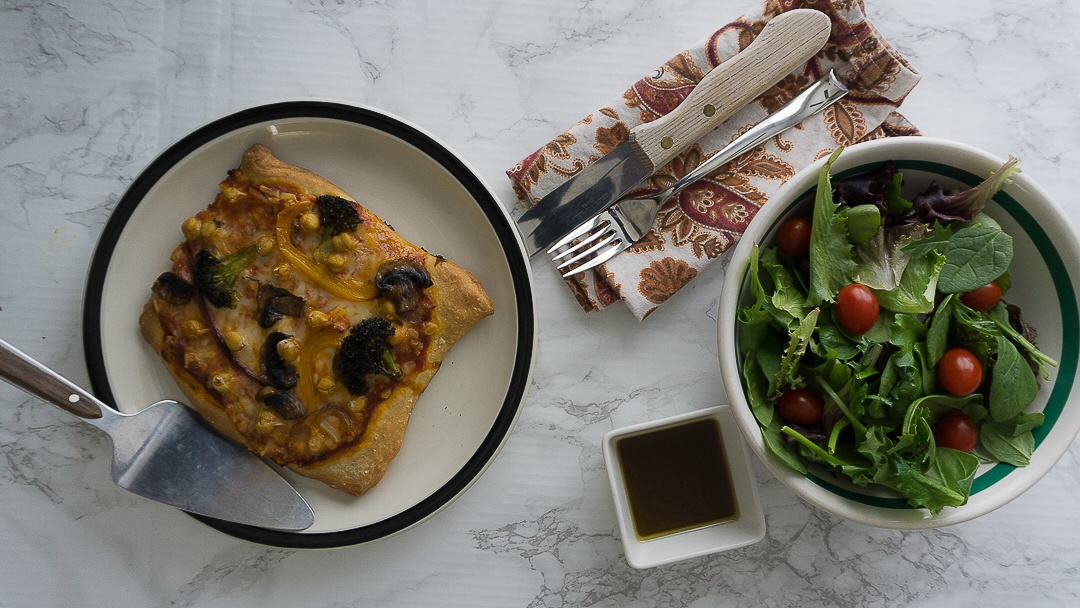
[1045, 281]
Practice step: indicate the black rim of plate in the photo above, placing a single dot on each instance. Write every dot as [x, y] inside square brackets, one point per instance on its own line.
[519, 270]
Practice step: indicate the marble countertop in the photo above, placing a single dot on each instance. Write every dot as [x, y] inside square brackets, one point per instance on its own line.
[93, 90]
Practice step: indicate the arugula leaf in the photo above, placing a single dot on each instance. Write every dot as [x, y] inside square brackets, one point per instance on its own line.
[788, 374]
[787, 294]
[830, 252]
[974, 256]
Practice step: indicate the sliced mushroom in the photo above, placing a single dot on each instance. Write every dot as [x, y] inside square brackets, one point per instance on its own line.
[402, 281]
[170, 287]
[279, 372]
[285, 402]
[275, 303]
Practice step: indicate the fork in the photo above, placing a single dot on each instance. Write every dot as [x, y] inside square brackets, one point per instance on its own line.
[624, 223]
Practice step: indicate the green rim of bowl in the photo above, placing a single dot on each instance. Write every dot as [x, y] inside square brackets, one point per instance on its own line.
[1070, 322]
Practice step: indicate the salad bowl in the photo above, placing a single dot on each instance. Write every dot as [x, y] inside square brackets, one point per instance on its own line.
[1043, 281]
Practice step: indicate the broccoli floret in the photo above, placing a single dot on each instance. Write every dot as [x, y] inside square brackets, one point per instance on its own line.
[365, 351]
[215, 276]
[336, 215]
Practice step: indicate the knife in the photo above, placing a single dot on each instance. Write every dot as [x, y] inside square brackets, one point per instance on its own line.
[786, 42]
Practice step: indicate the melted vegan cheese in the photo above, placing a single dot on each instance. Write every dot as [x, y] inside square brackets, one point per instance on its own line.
[337, 296]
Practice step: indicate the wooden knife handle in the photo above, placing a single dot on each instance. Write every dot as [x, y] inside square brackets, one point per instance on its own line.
[786, 42]
[31, 376]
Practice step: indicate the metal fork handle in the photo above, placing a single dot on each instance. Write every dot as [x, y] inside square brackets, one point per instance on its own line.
[824, 92]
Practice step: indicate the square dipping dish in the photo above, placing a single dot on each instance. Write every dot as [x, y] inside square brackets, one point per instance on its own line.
[683, 487]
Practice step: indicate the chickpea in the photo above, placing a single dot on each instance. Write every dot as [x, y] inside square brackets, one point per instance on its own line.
[317, 319]
[289, 349]
[234, 341]
[191, 227]
[264, 245]
[309, 222]
[325, 385]
[221, 382]
[343, 242]
[336, 261]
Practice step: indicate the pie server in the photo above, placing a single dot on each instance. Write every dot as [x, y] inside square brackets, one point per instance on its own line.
[786, 42]
[166, 453]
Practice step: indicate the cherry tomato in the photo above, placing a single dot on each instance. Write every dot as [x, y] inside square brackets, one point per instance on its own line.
[800, 406]
[856, 308]
[959, 372]
[956, 430]
[982, 298]
[793, 238]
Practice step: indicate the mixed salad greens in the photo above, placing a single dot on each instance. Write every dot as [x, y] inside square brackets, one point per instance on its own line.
[878, 345]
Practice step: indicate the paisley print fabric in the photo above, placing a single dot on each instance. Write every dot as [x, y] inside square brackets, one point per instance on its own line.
[707, 218]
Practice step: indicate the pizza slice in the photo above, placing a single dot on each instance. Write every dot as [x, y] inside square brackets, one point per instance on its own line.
[300, 325]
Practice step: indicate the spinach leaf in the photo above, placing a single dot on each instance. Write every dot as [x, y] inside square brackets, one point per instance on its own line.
[783, 451]
[862, 222]
[938, 334]
[757, 389]
[1013, 386]
[830, 252]
[945, 483]
[997, 439]
[974, 256]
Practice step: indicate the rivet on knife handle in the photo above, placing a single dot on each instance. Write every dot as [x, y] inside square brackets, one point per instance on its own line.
[786, 42]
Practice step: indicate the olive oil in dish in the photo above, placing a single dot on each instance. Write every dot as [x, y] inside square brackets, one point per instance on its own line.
[677, 479]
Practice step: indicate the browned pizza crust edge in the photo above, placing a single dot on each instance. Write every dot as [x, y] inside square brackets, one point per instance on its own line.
[461, 303]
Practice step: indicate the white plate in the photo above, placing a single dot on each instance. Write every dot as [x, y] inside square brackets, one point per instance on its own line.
[413, 182]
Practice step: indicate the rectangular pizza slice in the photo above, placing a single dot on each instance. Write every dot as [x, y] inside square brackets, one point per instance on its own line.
[300, 325]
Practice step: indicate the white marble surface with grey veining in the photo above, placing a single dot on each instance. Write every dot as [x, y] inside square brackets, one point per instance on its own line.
[92, 90]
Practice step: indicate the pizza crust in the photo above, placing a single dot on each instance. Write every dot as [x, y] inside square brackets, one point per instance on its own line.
[460, 302]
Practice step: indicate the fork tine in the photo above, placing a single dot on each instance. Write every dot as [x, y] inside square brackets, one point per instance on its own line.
[613, 251]
[604, 231]
[581, 230]
[611, 236]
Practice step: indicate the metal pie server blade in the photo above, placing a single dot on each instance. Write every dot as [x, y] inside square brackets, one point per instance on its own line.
[168, 454]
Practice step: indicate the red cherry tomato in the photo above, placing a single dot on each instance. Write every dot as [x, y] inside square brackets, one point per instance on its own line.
[800, 406]
[959, 372]
[982, 298]
[856, 308]
[956, 430]
[793, 238]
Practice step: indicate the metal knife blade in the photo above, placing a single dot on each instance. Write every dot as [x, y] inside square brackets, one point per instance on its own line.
[787, 41]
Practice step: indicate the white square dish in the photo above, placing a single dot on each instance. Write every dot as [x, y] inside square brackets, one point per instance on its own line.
[745, 527]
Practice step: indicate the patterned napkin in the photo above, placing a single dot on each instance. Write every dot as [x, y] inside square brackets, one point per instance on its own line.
[707, 218]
